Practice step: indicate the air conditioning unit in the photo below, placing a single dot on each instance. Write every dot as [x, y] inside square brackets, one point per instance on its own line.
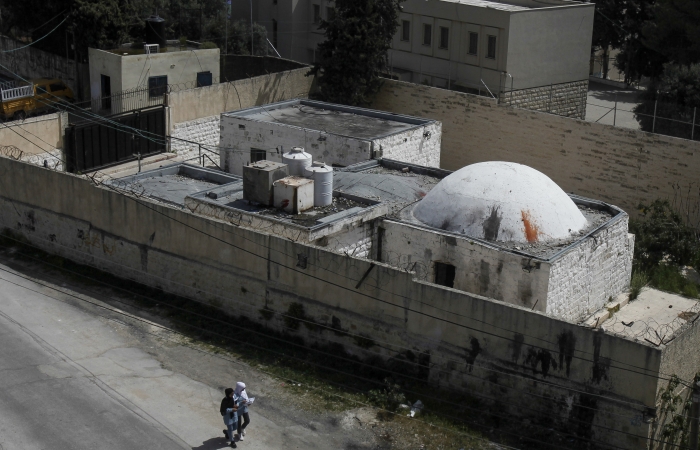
[151, 48]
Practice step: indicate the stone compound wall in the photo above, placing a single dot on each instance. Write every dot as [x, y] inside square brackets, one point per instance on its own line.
[195, 113]
[203, 131]
[420, 146]
[513, 360]
[35, 135]
[619, 166]
[583, 280]
[565, 99]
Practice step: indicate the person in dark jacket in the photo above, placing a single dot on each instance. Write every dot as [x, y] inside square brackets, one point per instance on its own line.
[229, 412]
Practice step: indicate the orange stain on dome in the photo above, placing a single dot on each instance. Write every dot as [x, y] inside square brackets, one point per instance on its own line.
[531, 230]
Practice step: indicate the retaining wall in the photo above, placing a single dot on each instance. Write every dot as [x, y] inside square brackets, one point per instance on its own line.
[35, 135]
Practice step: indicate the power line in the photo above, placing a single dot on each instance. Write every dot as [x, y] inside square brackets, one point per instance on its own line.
[327, 367]
[153, 324]
[34, 42]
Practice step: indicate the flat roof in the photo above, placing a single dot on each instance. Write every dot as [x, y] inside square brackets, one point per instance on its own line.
[655, 316]
[171, 184]
[331, 118]
[518, 5]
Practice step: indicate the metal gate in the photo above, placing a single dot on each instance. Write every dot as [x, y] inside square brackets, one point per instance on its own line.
[112, 140]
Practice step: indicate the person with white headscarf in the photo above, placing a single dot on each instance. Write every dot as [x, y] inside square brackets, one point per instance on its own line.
[243, 417]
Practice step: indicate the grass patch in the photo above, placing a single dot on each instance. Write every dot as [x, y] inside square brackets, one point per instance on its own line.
[639, 281]
[669, 278]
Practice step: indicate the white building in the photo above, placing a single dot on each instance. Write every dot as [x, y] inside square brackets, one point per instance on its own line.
[335, 134]
[124, 68]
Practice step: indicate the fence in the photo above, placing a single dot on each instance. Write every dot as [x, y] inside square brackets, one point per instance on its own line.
[660, 117]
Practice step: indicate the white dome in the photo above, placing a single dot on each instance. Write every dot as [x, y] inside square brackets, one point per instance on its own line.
[501, 201]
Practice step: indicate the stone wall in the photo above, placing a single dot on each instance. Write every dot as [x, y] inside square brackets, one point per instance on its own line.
[420, 146]
[31, 63]
[585, 278]
[510, 359]
[192, 104]
[35, 135]
[617, 165]
[203, 131]
[565, 99]
[238, 67]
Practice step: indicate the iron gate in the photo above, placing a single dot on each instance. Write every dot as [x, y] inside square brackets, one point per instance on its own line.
[112, 140]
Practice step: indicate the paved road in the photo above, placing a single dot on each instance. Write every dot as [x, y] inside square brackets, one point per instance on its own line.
[601, 102]
[51, 393]
[77, 376]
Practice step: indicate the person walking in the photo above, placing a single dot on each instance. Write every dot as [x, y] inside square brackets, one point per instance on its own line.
[229, 412]
[243, 417]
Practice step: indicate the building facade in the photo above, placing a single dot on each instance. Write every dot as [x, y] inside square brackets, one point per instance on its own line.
[528, 54]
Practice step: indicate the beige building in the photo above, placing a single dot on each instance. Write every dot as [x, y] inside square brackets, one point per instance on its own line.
[125, 68]
[528, 53]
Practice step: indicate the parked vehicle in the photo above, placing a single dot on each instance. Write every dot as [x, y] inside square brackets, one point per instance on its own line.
[43, 94]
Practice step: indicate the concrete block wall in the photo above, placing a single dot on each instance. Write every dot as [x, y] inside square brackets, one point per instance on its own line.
[420, 146]
[546, 370]
[564, 99]
[586, 277]
[617, 165]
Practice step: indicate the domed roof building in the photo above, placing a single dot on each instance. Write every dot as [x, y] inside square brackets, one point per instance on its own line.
[501, 201]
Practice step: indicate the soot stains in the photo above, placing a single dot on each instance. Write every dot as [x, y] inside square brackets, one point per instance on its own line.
[492, 224]
[484, 277]
[540, 358]
[601, 365]
[567, 346]
[518, 340]
[582, 415]
[472, 353]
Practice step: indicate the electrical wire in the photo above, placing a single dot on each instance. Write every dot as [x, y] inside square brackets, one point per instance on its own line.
[428, 315]
[34, 42]
[326, 367]
[153, 324]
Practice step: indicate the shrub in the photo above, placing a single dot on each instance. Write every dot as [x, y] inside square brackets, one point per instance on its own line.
[206, 45]
[389, 398]
[639, 282]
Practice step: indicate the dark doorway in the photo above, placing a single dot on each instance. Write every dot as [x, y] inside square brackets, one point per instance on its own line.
[106, 88]
[444, 274]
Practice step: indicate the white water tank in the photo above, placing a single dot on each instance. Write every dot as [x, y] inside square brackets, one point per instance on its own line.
[323, 183]
[297, 160]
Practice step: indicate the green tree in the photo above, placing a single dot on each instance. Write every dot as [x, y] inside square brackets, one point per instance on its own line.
[673, 95]
[354, 54]
[674, 30]
[607, 28]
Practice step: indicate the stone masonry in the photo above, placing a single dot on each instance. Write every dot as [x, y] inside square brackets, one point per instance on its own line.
[565, 99]
[204, 131]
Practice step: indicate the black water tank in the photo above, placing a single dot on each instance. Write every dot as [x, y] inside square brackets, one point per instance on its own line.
[155, 31]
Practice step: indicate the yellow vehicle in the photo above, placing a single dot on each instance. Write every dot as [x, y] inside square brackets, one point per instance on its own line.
[20, 101]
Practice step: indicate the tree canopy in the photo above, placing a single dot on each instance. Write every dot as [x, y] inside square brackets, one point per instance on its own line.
[354, 54]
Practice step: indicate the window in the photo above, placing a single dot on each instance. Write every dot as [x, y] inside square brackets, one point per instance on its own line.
[204, 79]
[317, 13]
[444, 274]
[257, 155]
[473, 43]
[42, 89]
[405, 30]
[330, 13]
[491, 52]
[444, 37]
[274, 33]
[157, 86]
[55, 87]
[427, 34]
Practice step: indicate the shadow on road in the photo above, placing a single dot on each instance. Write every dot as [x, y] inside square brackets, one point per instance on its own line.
[212, 444]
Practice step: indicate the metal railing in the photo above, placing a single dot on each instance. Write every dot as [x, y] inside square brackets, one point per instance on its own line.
[17, 92]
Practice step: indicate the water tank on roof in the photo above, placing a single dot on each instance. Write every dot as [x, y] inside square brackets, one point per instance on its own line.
[297, 160]
[323, 183]
[155, 31]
